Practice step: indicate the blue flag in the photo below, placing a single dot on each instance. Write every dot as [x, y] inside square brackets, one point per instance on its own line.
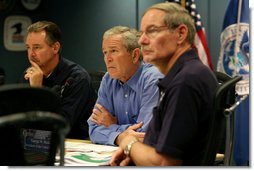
[234, 60]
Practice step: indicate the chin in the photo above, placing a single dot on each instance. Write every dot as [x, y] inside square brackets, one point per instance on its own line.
[113, 76]
[148, 59]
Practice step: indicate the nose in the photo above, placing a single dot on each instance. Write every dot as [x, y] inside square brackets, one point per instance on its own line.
[143, 39]
[107, 58]
[31, 52]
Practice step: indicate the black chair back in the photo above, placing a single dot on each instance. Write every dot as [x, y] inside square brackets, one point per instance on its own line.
[22, 98]
[35, 116]
[96, 77]
[224, 97]
[2, 76]
[12, 126]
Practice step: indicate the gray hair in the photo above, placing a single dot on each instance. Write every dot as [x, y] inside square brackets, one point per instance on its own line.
[175, 16]
[130, 36]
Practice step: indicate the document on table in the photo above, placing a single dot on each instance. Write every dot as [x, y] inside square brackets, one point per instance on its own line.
[78, 153]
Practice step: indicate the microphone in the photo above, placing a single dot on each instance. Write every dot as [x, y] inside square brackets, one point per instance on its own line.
[67, 83]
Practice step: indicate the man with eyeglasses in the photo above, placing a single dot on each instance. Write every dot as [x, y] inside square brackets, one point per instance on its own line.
[177, 133]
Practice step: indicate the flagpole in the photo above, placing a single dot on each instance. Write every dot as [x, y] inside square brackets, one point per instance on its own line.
[137, 15]
[183, 3]
[229, 141]
[237, 34]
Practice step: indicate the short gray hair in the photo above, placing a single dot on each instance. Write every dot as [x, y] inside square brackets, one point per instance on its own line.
[176, 15]
[130, 36]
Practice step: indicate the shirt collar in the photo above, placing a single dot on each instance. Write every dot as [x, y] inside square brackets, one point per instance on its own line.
[132, 82]
[188, 55]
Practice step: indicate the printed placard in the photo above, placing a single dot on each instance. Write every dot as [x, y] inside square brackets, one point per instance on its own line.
[15, 32]
[36, 140]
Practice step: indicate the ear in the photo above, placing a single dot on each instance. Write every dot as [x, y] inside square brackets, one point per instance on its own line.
[56, 47]
[182, 32]
[135, 55]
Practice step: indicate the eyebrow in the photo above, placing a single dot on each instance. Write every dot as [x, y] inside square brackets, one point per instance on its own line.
[151, 26]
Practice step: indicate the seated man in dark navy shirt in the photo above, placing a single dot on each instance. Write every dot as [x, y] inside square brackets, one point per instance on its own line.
[177, 133]
[49, 68]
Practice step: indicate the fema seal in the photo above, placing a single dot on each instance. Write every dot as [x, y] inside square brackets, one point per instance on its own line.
[234, 54]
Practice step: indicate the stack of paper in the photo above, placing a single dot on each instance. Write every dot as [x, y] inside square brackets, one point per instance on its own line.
[87, 154]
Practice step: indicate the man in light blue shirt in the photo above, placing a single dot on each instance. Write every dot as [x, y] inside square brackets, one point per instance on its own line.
[128, 91]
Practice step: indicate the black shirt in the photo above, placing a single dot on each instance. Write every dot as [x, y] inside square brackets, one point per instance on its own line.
[78, 97]
[180, 122]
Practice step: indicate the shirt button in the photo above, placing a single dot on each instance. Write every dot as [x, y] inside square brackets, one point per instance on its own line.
[126, 113]
[126, 95]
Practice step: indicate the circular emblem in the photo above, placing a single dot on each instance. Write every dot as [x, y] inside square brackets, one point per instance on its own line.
[234, 55]
[31, 4]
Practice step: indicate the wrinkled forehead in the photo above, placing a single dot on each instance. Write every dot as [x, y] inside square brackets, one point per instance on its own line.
[152, 17]
[36, 37]
[112, 41]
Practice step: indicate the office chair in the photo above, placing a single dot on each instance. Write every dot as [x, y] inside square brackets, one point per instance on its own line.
[21, 98]
[96, 77]
[2, 76]
[11, 126]
[224, 97]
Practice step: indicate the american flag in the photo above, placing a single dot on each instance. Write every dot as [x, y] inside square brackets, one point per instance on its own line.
[200, 39]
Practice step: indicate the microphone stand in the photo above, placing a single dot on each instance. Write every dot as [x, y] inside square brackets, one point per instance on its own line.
[229, 134]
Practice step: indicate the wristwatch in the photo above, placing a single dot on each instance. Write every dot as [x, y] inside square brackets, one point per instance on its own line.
[127, 148]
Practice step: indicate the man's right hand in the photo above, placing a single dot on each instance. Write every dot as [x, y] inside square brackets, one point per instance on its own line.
[34, 74]
[131, 131]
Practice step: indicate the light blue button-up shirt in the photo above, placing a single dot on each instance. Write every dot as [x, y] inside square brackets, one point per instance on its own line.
[131, 103]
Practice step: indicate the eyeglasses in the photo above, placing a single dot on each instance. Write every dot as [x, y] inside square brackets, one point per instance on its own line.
[152, 31]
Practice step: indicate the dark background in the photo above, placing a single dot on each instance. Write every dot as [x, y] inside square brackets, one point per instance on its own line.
[83, 22]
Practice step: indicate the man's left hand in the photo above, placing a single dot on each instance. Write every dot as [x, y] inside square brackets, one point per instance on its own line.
[101, 116]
